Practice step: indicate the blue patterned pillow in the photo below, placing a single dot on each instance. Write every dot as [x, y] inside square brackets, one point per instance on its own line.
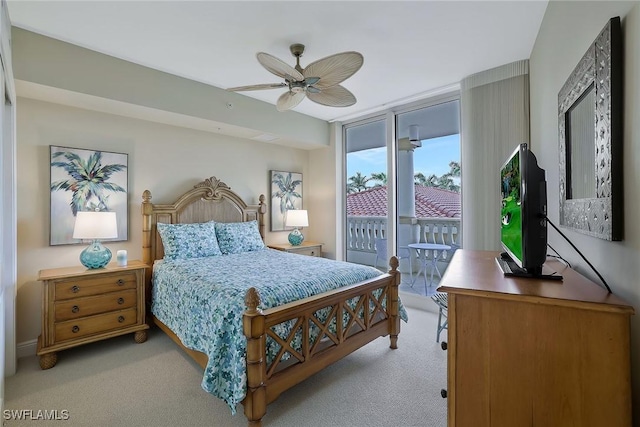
[182, 241]
[238, 237]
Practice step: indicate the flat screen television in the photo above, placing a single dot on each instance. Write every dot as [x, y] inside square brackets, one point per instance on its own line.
[523, 230]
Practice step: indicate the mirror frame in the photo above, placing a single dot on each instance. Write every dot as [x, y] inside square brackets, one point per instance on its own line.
[600, 67]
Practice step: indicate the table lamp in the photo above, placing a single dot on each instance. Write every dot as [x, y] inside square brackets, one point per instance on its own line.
[94, 226]
[296, 218]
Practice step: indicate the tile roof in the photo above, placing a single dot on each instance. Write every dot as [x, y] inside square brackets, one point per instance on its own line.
[430, 202]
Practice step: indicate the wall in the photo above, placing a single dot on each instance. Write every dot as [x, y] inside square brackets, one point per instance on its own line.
[567, 30]
[167, 160]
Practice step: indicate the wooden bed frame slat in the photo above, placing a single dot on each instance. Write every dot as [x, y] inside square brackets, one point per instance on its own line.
[212, 199]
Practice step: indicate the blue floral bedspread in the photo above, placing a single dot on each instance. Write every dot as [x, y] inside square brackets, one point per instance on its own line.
[202, 301]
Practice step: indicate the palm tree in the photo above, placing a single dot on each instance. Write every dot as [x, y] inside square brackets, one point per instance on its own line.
[286, 190]
[380, 176]
[454, 169]
[430, 181]
[357, 183]
[446, 182]
[88, 180]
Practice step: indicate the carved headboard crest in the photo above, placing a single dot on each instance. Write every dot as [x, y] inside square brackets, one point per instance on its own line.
[213, 185]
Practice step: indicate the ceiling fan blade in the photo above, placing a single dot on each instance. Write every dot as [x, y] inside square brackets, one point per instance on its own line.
[334, 69]
[278, 67]
[257, 87]
[289, 100]
[334, 96]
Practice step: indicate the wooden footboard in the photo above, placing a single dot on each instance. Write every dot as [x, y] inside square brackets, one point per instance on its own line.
[343, 320]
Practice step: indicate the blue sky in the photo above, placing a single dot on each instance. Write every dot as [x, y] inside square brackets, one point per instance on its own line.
[432, 158]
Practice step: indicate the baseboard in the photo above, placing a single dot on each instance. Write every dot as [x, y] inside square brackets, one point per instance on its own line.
[27, 348]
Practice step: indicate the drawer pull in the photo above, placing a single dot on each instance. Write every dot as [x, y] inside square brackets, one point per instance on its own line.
[443, 345]
[313, 253]
[120, 319]
[75, 329]
[75, 289]
[120, 282]
[443, 393]
[75, 309]
[120, 300]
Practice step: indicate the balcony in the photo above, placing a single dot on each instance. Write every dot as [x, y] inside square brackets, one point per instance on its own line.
[363, 230]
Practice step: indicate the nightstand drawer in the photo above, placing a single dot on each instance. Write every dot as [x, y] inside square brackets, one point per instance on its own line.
[310, 251]
[88, 306]
[73, 329]
[82, 287]
[306, 248]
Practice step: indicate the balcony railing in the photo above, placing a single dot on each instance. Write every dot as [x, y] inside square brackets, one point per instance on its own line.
[362, 231]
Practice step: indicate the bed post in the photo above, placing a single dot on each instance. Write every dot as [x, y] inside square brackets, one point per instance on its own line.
[147, 210]
[394, 319]
[255, 403]
[262, 209]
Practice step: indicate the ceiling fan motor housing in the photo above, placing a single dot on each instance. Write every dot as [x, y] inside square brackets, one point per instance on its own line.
[297, 49]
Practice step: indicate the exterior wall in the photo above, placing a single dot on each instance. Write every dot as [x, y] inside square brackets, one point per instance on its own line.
[568, 29]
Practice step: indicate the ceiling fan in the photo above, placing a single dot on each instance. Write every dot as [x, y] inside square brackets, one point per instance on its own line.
[319, 81]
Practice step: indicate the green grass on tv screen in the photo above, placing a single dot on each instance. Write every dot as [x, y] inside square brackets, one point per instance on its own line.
[511, 230]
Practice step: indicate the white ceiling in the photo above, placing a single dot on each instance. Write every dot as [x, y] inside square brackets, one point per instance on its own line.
[411, 49]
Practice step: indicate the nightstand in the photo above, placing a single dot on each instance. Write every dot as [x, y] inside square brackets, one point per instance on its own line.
[80, 306]
[306, 248]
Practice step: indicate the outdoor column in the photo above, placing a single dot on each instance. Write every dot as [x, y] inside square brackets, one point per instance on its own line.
[408, 230]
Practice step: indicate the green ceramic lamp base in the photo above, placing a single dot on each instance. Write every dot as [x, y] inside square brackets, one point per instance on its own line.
[95, 255]
[296, 238]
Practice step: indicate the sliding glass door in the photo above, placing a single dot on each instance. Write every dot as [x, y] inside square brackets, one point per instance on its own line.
[428, 192]
[366, 192]
[402, 191]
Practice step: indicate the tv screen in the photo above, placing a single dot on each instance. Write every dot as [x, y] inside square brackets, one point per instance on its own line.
[511, 227]
[523, 228]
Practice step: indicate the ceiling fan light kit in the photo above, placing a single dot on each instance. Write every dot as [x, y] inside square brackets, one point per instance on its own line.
[319, 81]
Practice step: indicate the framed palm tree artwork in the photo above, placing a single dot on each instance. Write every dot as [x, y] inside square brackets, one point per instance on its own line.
[86, 180]
[286, 194]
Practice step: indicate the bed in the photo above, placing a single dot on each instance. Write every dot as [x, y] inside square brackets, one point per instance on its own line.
[291, 326]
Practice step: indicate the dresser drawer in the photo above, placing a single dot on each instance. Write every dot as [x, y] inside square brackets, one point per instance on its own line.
[74, 329]
[88, 306]
[310, 251]
[86, 286]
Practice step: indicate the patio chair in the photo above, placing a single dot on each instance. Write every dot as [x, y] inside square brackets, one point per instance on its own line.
[440, 298]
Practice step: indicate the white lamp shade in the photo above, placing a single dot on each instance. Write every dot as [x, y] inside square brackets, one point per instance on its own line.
[297, 218]
[95, 225]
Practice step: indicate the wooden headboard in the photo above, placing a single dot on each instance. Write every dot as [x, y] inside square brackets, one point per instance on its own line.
[210, 200]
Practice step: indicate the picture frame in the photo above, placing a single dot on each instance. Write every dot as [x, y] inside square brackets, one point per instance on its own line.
[590, 138]
[80, 180]
[286, 194]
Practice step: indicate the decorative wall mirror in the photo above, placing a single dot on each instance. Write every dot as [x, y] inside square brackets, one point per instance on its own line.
[590, 139]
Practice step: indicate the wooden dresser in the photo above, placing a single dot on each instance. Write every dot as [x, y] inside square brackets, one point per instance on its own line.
[306, 248]
[80, 306]
[529, 352]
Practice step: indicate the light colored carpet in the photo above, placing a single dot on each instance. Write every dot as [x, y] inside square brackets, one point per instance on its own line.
[119, 383]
